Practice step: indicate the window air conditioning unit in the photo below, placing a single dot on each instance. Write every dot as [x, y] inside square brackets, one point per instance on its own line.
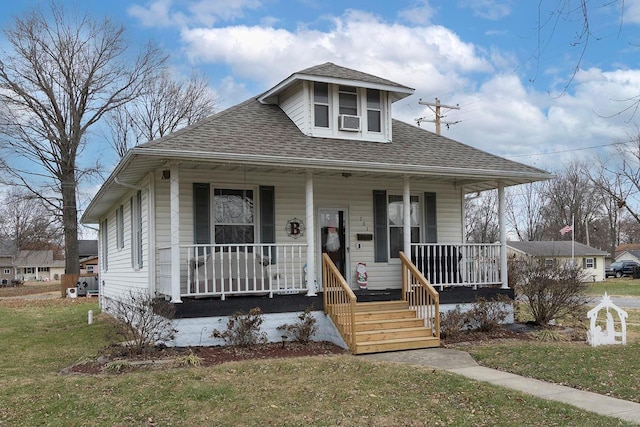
[349, 123]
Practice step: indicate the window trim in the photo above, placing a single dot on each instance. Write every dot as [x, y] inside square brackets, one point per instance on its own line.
[7, 271]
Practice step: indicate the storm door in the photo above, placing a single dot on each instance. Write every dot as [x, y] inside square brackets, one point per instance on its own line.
[333, 241]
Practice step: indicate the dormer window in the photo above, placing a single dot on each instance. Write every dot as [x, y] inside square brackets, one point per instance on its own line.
[374, 111]
[348, 99]
[321, 104]
[350, 112]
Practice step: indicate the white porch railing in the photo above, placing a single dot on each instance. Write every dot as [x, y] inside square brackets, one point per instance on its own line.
[465, 264]
[247, 269]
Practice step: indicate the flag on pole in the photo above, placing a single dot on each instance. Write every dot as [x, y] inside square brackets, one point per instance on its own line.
[567, 228]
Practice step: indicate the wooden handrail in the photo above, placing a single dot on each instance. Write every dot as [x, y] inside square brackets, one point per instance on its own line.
[339, 301]
[420, 295]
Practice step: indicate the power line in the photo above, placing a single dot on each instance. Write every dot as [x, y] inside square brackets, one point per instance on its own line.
[567, 150]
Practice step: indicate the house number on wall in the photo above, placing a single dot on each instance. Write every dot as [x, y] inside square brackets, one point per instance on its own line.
[295, 228]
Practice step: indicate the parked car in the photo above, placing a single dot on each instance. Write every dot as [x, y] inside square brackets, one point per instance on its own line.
[620, 268]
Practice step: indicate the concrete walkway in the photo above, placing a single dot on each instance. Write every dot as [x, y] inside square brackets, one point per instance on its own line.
[461, 363]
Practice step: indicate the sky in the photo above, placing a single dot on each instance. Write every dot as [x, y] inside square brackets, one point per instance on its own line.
[510, 65]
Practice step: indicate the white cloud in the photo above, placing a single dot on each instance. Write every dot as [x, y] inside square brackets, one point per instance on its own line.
[488, 9]
[163, 13]
[420, 13]
[430, 56]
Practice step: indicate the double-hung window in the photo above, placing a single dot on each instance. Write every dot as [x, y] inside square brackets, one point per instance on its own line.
[348, 100]
[136, 230]
[104, 256]
[321, 104]
[234, 219]
[120, 226]
[395, 217]
[374, 111]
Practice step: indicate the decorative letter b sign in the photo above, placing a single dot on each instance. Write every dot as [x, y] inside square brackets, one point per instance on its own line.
[295, 228]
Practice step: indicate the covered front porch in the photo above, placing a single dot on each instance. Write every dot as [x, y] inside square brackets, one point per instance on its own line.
[222, 271]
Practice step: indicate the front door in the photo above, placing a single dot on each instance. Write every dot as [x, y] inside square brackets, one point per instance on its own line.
[333, 241]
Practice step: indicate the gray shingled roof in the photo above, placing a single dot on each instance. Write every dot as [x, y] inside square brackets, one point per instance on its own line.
[87, 248]
[331, 70]
[556, 249]
[262, 135]
[255, 129]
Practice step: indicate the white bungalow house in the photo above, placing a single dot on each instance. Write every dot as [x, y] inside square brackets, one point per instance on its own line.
[552, 253]
[283, 201]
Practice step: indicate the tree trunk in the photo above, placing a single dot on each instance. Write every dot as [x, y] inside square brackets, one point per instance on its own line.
[70, 225]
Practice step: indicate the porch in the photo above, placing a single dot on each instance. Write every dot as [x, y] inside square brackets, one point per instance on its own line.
[221, 271]
[224, 279]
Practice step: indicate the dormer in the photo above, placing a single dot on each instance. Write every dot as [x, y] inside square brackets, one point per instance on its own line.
[330, 101]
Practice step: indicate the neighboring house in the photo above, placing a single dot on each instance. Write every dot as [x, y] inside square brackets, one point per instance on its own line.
[554, 253]
[300, 197]
[88, 251]
[7, 270]
[628, 255]
[38, 265]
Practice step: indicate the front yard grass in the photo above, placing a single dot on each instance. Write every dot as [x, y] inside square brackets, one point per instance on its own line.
[608, 370]
[39, 338]
[623, 287]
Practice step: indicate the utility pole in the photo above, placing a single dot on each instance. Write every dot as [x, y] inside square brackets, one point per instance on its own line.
[436, 110]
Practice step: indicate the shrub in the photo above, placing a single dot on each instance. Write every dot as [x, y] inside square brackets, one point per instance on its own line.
[552, 292]
[243, 330]
[190, 359]
[484, 316]
[142, 321]
[452, 323]
[488, 315]
[303, 330]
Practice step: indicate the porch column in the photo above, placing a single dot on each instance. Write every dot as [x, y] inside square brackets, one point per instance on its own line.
[175, 233]
[503, 236]
[406, 216]
[311, 245]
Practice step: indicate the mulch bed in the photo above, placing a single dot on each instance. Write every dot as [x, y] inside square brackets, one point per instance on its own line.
[115, 361]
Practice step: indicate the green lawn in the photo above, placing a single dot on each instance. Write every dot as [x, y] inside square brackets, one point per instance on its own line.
[40, 337]
[616, 287]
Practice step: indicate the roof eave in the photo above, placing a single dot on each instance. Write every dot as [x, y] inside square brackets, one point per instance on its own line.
[397, 92]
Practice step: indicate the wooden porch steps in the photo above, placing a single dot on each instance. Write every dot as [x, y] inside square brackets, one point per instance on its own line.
[390, 326]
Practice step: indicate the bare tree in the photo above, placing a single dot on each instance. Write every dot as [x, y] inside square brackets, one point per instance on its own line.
[58, 77]
[481, 218]
[524, 210]
[618, 179]
[167, 105]
[570, 197]
[25, 220]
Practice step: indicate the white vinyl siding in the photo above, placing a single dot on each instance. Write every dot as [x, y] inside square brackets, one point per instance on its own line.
[120, 277]
[352, 194]
[292, 102]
